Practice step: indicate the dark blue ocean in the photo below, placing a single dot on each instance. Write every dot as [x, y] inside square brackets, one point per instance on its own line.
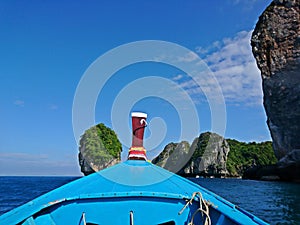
[274, 202]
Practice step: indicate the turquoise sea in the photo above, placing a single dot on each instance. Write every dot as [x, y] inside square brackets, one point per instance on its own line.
[274, 202]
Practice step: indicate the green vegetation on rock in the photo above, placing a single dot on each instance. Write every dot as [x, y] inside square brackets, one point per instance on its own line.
[206, 143]
[212, 155]
[244, 155]
[99, 145]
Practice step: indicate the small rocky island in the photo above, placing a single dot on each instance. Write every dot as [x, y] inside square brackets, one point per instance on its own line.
[210, 155]
[99, 148]
[206, 156]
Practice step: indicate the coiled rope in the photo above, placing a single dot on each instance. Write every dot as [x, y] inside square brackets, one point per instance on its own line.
[203, 208]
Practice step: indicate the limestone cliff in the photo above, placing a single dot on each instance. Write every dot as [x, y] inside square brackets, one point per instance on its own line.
[174, 156]
[207, 156]
[99, 148]
[276, 48]
[85, 167]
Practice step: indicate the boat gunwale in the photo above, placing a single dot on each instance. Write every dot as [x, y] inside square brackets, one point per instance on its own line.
[104, 195]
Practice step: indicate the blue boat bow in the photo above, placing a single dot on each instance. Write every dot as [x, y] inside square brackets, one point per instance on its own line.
[133, 192]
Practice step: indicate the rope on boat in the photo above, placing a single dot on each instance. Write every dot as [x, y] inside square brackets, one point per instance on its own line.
[203, 208]
[131, 218]
[83, 218]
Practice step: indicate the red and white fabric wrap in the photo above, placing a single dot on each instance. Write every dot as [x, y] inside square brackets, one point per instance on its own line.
[137, 150]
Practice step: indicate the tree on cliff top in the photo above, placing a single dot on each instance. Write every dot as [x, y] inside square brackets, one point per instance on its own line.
[100, 146]
[244, 155]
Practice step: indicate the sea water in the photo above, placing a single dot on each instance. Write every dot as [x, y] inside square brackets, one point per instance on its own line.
[274, 202]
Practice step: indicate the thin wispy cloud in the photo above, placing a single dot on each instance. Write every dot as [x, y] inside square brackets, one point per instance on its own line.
[244, 4]
[178, 77]
[53, 107]
[234, 67]
[189, 57]
[37, 164]
[22, 156]
[205, 50]
[19, 102]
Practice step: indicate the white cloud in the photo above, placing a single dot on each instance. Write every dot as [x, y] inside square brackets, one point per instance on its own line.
[234, 67]
[189, 57]
[204, 50]
[178, 77]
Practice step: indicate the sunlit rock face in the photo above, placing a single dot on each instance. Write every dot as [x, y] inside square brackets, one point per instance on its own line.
[276, 48]
[172, 155]
[209, 157]
[206, 156]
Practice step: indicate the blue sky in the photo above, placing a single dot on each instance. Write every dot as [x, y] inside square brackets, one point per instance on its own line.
[47, 46]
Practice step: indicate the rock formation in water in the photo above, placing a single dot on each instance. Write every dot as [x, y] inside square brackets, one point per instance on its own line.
[206, 157]
[85, 167]
[276, 48]
[99, 148]
[209, 157]
[174, 156]
[212, 155]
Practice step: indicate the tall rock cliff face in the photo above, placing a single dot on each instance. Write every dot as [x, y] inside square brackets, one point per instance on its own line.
[174, 156]
[206, 156]
[85, 167]
[209, 157]
[276, 48]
